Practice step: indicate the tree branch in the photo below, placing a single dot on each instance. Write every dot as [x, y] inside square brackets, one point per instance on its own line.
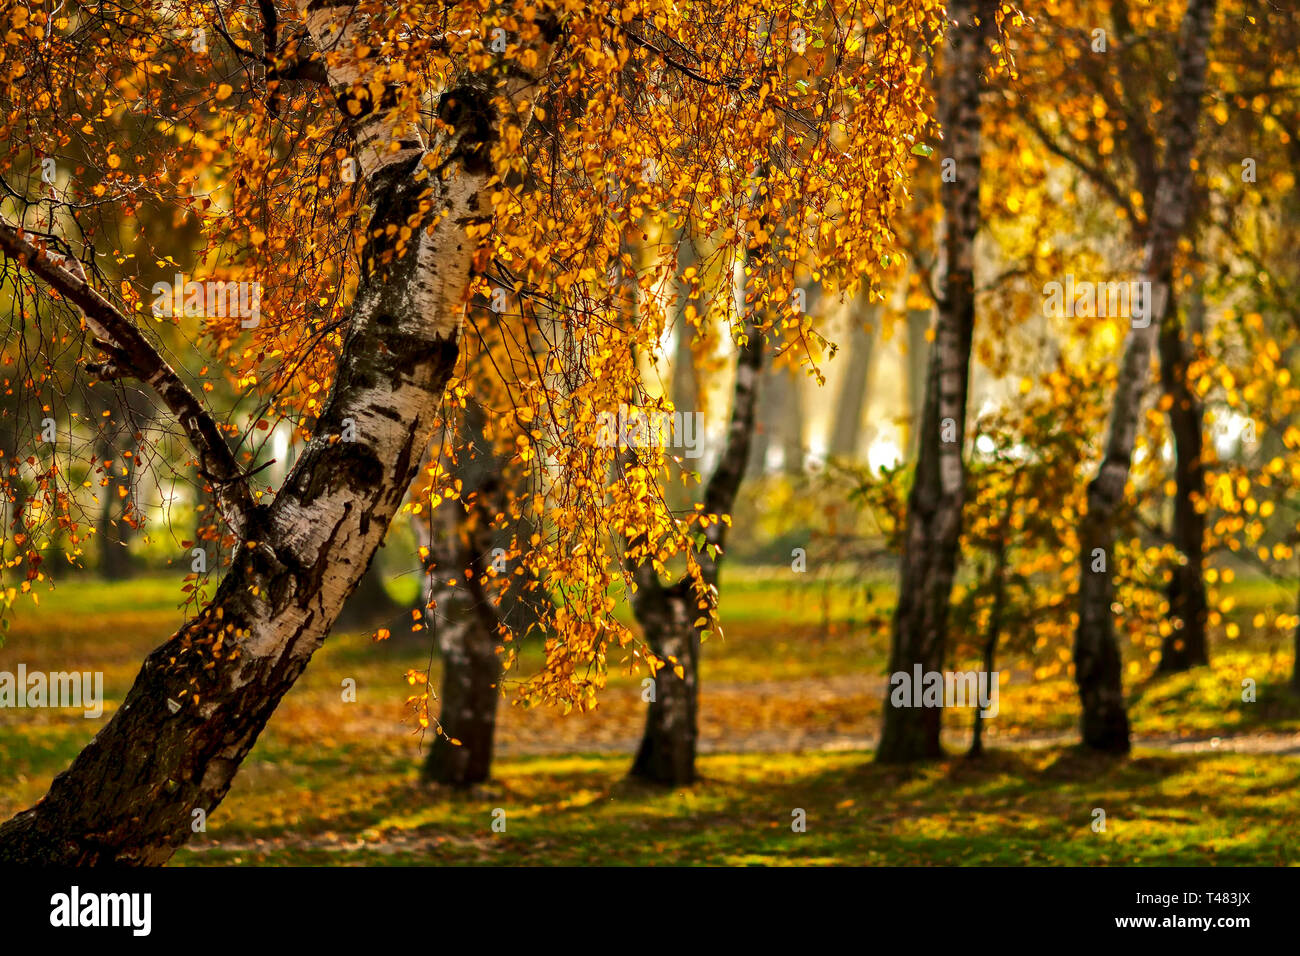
[301, 67]
[923, 269]
[1093, 173]
[133, 355]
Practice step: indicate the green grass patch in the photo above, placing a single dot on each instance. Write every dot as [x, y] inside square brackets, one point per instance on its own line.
[1030, 807]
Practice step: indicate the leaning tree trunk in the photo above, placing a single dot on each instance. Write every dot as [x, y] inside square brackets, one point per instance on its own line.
[1097, 660]
[1185, 647]
[667, 614]
[934, 508]
[201, 699]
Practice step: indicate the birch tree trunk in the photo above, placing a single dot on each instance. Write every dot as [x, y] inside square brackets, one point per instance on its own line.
[918, 349]
[685, 392]
[793, 445]
[993, 629]
[667, 613]
[112, 530]
[666, 754]
[1097, 659]
[934, 507]
[685, 385]
[466, 629]
[1185, 647]
[202, 698]
[466, 618]
[846, 433]
[776, 423]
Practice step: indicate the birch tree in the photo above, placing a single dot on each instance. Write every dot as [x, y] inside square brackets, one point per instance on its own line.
[1097, 659]
[1119, 158]
[670, 615]
[463, 544]
[934, 507]
[371, 167]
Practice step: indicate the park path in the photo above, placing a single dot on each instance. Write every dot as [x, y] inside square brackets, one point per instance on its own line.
[802, 742]
[824, 713]
[818, 714]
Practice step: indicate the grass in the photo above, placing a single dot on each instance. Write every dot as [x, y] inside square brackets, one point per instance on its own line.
[335, 782]
[1011, 808]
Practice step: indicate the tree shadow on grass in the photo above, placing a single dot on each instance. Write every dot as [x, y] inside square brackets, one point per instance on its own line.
[1010, 808]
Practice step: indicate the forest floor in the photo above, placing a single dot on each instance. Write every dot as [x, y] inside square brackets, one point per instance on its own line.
[789, 710]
